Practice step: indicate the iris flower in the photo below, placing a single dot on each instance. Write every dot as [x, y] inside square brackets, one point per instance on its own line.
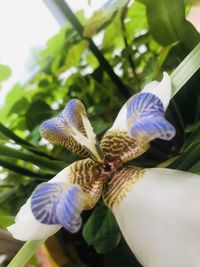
[157, 209]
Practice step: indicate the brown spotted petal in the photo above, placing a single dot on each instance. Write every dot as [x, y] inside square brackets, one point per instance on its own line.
[91, 178]
[120, 183]
[72, 130]
[118, 147]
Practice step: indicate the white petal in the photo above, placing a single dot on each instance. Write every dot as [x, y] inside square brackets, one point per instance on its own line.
[120, 122]
[160, 218]
[26, 227]
[62, 176]
[161, 89]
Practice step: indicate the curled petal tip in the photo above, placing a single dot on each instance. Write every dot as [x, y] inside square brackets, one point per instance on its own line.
[58, 204]
[161, 89]
[145, 119]
[72, 129]
[149, 128]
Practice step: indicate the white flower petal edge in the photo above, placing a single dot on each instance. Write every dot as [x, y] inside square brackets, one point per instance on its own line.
[26, 227]
[161, 89]
[160, 218]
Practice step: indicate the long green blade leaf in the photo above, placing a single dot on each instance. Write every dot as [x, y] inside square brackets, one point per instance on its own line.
[24, 171]
[7, 132]
[25, 253]
[186, 69]
[41, 161]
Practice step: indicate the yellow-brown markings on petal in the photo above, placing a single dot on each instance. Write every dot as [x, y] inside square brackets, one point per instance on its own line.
[120, 184]
[75, 147]
[66, 141]
[91, 177]
[118, 147]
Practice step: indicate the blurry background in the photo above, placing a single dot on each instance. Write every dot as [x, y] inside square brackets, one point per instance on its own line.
[49, 54]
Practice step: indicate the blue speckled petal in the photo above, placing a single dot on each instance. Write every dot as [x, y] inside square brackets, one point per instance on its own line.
[145, 117]
[57, 203]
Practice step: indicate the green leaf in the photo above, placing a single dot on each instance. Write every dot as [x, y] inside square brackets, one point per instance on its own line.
[101, 16]
[75, 53]
[136, 20]
[11, 135]
[192, 127]
[187, 159]
[25, 253]
[5, 72]
[12, 97]
[168, 24]
[185, 70]
[24, 171]
[101, 230]
[30, 157]
[193, 139]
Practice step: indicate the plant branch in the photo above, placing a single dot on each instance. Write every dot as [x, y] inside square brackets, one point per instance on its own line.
[68, 13]
[127, 46]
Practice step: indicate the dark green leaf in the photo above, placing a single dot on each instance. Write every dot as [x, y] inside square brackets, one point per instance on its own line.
[187, 159]
[55, 165]
[168, 24]
[101, 230]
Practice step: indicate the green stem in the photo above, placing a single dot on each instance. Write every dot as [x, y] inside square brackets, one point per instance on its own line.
[128, 48]
[25, 253]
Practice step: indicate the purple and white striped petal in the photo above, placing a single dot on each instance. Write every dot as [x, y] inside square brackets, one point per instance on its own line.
[58, 203]
[145, 118]
[140, 120]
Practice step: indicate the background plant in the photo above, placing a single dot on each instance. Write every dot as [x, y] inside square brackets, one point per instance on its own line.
[136, 46]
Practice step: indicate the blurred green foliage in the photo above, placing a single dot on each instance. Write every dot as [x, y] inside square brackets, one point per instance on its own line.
[138, 44]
